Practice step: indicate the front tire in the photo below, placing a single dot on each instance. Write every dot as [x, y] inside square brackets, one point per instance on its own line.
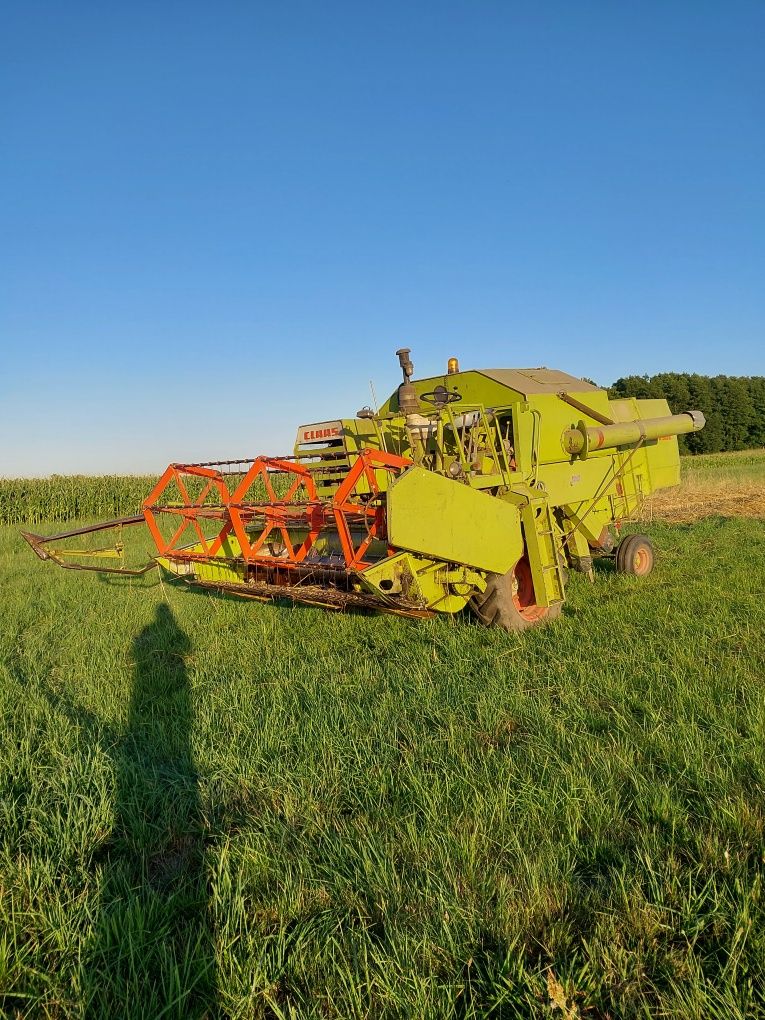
[509, 601]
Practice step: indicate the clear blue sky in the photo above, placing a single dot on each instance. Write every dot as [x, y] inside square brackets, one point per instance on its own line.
[219, 220]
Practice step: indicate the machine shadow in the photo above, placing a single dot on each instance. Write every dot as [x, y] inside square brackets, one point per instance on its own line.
[153, 949]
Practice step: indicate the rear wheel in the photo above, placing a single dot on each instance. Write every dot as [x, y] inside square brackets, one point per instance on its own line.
[635, 556]
[509, 600]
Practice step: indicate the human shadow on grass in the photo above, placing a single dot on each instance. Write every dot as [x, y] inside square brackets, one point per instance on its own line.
[152, 952]
[151, 949]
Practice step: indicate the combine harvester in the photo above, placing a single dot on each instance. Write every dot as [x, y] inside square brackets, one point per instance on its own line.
[479, 488]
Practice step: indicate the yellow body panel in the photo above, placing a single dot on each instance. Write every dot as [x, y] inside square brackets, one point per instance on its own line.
[446, 520]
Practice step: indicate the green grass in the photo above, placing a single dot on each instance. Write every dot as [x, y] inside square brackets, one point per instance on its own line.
[212, 807]
[742, 466]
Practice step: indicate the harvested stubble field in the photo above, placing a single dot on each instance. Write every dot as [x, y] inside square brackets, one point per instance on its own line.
[211, 807]
[721, 484]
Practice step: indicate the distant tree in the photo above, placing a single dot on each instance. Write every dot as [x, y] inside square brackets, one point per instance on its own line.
[703, 398]
[738, 413]
[734, 406]
[633, 386]
[756, 386]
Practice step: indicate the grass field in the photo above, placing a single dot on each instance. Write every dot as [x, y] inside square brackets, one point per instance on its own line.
[710, 469]
[721, 484]
[219, 808]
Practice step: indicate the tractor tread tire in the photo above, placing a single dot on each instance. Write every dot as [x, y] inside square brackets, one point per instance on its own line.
[495, 607]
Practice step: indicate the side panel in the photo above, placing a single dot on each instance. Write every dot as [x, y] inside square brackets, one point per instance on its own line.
[539, 425]
[661, 457]
[446, 520]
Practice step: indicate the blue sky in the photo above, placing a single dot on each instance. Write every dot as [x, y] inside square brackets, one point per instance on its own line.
[220, 220]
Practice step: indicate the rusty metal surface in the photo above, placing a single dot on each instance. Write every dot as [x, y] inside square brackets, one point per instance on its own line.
[530, 381]
[86, 530]
[314, 595]
[40, 545]
[585, 408]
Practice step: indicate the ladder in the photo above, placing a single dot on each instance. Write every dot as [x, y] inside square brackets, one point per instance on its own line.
[541, 536]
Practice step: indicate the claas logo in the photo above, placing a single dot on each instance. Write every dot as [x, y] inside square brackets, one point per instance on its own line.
[315, 433]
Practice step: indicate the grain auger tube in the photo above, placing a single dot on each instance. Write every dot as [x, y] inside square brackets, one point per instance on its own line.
[477, 488]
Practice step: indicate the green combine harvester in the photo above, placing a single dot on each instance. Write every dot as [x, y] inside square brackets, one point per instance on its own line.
[478, 489]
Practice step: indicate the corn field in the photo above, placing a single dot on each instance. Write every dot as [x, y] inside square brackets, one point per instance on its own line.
[65, 497]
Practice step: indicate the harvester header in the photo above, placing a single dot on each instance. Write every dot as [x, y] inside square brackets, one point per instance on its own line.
[478, 488]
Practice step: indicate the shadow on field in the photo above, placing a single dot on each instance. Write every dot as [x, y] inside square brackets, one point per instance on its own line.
[152, 948]
[150, 952]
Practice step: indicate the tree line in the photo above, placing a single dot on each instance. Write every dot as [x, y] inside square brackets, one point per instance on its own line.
[734, 406]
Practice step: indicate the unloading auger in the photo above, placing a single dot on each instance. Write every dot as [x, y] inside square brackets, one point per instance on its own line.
[477, 488]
